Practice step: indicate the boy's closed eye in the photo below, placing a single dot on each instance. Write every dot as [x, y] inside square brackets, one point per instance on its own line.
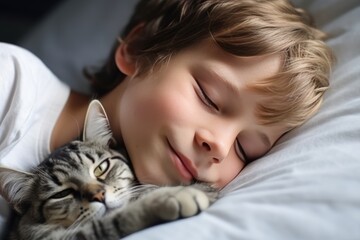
[205, 98]
[240, 152]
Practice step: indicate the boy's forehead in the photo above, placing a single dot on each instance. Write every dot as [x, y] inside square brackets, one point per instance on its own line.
[247, 69]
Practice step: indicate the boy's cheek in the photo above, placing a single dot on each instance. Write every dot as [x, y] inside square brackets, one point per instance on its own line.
[169, 106]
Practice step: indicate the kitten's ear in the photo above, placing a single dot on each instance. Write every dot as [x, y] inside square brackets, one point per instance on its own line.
[15, 187]
[97, 127]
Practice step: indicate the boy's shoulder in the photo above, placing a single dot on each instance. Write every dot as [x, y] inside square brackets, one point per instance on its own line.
[8, 50]
[16, 61]
[23, 75]
[21, 67]
[29, 95]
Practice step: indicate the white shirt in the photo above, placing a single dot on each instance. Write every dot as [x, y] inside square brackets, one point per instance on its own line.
[31, 99]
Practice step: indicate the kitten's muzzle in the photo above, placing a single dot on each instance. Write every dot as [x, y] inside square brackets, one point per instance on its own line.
[94, 193]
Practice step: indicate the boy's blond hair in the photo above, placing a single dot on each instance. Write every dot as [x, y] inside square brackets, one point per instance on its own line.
[242, 28]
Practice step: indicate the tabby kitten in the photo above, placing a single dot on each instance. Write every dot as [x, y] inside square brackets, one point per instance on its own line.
[86, 190]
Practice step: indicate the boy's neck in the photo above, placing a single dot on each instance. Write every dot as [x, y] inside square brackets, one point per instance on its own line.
[71, 120]
[111, 103]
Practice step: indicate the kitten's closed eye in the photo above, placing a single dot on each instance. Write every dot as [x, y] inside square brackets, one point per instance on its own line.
[63, 193]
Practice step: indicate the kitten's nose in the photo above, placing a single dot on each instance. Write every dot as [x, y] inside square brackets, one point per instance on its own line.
[99, 196]
[94, 193]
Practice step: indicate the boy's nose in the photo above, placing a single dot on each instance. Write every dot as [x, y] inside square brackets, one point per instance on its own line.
[217, 146]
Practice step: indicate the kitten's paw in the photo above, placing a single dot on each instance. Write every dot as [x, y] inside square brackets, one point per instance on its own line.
[172, 203]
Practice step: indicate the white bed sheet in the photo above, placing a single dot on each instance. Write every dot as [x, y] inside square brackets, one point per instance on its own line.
[307, 187]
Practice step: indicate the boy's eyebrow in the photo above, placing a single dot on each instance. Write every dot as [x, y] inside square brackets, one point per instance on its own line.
[228, 84]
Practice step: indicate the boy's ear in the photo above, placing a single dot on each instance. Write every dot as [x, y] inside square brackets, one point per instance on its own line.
[124, 62]
[124, 55]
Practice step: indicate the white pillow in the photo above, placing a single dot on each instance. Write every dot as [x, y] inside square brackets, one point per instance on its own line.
[307, 187]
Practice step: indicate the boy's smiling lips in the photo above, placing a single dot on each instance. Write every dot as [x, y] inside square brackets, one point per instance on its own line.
[184, 165]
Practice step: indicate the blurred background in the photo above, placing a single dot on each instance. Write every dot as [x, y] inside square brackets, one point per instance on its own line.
[17, 17]
[67, 35]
